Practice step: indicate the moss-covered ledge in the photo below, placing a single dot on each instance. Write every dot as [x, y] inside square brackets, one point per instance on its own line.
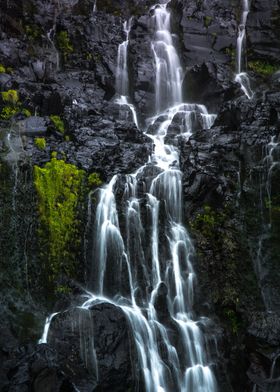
[61, 189]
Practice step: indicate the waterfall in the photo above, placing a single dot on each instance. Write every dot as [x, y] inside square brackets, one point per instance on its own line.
[121, 255]
[134, 265]
[122, 77]
[168, 69]
[122, 83]
[241, 77]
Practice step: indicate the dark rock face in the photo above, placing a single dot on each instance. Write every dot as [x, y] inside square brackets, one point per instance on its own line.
[77, 339]
[264, 332]
[263, 30]
[225, 169]
[83, 338]
[231, 195]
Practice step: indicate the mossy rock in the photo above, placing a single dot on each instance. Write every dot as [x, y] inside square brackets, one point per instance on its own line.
[62, 190]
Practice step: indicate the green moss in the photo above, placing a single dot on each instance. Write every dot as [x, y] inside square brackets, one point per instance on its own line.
[59, 188]
[10, 96]
[40, 142]
[2, 68]
[64, 43]
[213, 232]
[233, 320]
[207, 221]
[262, 67]
[26, 112]
[231, 52]
[33, 32]
[60, 289]
[207, 21]
[8, 112]
[94, 180]
[58, 123]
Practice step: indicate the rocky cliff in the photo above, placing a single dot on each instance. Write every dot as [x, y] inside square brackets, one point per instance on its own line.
[59, 114]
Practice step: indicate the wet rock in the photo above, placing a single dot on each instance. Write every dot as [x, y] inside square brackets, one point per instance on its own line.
[263, 346]
[213, 92]
[82, 337]
[33, 126]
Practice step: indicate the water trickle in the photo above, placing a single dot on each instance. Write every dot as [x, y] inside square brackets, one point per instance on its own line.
[44, 337]
[269, 163]
[94, 9]
[50, 35]
[241, 77]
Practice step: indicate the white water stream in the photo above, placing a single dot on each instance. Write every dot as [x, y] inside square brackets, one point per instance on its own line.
[122, 77]
[168, 67]
[242, 77]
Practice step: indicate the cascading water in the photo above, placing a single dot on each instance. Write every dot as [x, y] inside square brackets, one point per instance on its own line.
[122, 77]
[122, 83]
[135, 265]
[241, 77]
[168, 67]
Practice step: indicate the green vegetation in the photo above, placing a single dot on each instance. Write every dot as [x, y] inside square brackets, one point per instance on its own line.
[13, 107]
[2, 68]
[12, 99]
[213, 231]
[207, 221]
[58, 123]
[40, 142]
[262, 67]
[8, 112]
[207, 21]
[231, 52]
[26, 112]
[64, 43]
[233, 320]
[61, 188]
[33, 32]
[94, 180]
[10, 96]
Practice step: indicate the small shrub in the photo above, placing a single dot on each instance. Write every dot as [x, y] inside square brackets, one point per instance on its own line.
[10, 96]
[64, 43]
[33, 32]
[94, 180]
[263, 68]
[8, 112]
[26, 112]
[2, 68]
[58, 123]
[40, 142]
[207, 21]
